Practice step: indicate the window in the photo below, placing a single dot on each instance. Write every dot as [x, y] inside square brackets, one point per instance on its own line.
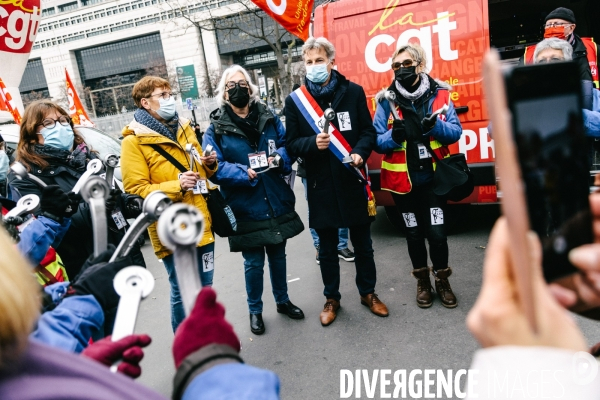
[147, 21]
[33, 77]
[72, 38]
[67, 7]
[48, 11]
[121, 27]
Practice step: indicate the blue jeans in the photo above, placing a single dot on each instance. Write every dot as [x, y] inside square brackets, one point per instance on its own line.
[254, 263]
[342, 232]
[206, 278]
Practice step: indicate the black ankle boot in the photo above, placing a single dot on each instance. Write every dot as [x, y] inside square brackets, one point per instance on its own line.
[289, 309]
[257, 326]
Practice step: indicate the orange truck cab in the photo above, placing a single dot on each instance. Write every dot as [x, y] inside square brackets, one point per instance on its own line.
[456, 35]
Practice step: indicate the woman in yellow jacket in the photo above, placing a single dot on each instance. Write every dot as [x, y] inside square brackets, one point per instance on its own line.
[145, 170]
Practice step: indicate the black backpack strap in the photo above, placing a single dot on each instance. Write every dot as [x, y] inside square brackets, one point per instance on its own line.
[169, 157]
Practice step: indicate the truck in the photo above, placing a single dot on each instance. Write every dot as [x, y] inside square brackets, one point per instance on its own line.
[455, 35]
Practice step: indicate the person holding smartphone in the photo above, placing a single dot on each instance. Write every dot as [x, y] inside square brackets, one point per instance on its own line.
[510, 346]
[408, 168]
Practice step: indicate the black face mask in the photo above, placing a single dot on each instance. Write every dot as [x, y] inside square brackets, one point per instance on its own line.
[239, 96]
[406, 76]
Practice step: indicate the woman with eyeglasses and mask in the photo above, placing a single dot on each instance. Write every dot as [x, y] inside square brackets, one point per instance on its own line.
[154, 157]
[51, 149]
[250, 145]
[408, 167]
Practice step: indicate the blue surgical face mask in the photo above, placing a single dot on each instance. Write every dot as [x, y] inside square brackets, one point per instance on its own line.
[60, 137]
[167, 108]
[317, 73]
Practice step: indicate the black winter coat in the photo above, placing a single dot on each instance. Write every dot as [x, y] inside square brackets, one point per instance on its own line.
[336, 198]
[78, 243]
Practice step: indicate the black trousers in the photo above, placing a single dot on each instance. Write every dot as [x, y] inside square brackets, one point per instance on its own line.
[366, 275]
[423, 214]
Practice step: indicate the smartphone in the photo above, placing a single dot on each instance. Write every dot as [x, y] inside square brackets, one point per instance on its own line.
[545, 102]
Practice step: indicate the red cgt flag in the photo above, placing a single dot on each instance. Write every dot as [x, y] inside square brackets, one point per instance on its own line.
[7, 103]
[76, 111]
[293, 15]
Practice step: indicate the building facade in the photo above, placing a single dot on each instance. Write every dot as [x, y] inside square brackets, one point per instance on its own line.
[106, 46]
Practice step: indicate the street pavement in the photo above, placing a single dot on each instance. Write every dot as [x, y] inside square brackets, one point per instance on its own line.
[308, 357]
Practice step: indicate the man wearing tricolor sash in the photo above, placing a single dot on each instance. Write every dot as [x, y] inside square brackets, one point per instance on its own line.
[334, 153]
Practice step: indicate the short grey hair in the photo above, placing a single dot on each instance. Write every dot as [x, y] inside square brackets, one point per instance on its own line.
[221, 88]
[556, 44]
[319, 43]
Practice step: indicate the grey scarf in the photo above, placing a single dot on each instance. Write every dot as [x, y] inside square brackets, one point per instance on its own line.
[424, 87]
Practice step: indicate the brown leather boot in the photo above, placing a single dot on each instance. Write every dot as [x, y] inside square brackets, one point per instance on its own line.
[329, 312]
[375, 305]
[424, 298]
[442, 287]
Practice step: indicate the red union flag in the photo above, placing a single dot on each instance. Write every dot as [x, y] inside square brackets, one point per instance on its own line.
[76, 111]
[7, 103]
[293, 15]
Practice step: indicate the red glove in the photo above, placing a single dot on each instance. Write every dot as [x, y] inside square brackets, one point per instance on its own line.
[205, 325]
[128, 350]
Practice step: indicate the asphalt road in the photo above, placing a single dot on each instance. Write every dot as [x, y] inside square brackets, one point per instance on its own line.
[308, 357]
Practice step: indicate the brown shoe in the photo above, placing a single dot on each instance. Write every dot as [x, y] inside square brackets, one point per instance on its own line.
[329, 312]
[442, 287]
[424, 298]
[375, 305]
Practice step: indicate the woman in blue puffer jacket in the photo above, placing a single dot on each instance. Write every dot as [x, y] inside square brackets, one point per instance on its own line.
[253, 164]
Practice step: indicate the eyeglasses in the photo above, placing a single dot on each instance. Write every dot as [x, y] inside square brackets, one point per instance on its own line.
[51, 123]
[404, 64]
[550, 60]
[556, 24]
[164, 95]
[242, 83]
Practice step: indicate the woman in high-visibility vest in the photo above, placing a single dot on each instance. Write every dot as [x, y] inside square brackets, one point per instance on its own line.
[407, 167]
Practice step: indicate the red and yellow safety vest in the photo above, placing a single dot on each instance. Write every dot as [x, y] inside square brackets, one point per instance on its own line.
[51, 269]
[394, 168]
[592, 56]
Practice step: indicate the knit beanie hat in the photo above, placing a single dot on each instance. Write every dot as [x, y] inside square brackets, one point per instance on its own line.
[562, 13]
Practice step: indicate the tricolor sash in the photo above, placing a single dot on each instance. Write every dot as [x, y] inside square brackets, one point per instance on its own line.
[338, 145]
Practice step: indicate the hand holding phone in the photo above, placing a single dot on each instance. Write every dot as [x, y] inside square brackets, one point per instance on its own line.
[513, 197]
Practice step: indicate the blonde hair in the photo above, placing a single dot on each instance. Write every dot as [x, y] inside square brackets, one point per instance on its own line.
[416, 52]
[19, 300]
